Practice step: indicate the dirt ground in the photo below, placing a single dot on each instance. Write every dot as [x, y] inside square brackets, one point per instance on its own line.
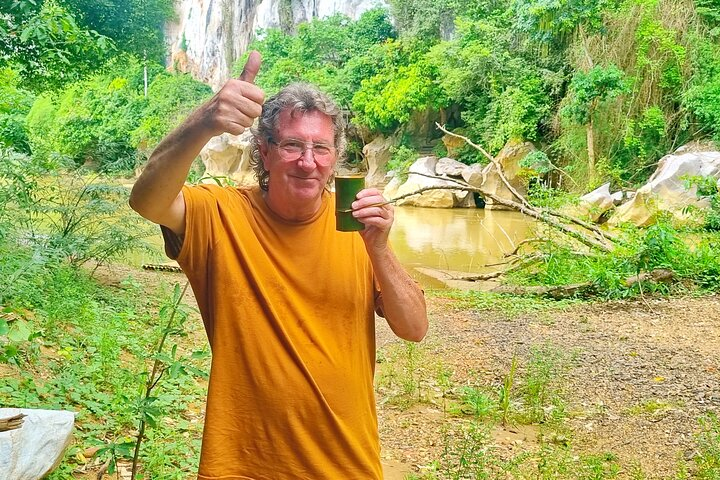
[640, 375]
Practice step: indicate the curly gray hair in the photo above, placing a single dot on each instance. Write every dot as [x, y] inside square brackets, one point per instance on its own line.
[298, 98]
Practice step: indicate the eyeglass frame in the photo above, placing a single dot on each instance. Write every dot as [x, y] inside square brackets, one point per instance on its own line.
[306, 146]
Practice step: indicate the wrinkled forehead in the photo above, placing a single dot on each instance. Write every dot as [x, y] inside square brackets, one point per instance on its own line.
[301, 123]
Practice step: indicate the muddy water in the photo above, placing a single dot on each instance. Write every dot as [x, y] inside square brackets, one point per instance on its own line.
[463, 240]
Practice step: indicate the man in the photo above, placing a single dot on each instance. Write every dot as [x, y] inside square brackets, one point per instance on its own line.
[288, 303]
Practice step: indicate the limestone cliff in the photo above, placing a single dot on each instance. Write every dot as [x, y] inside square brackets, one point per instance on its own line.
[209, 35]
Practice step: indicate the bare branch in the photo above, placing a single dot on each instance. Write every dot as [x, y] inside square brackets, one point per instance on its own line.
[494, 161]
[438, 177]
[12, 423]
[520, 244]
[466, 140]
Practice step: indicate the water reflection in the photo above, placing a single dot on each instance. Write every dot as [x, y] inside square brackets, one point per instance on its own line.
[463, 240]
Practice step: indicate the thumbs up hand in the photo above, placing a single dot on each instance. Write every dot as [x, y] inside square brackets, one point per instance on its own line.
[238, 103]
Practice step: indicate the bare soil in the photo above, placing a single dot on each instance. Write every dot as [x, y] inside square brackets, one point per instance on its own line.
[641, 374]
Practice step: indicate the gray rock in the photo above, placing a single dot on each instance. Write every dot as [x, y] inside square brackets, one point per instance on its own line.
[229, 156]
[449, 167]
[419, 176]
[666, 189]
[594, 204]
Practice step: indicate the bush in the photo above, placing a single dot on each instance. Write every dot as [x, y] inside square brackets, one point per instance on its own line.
[101, 122]
[702, 99]
[15, 103]
[170, 99]
[69, 217]
[401, 160]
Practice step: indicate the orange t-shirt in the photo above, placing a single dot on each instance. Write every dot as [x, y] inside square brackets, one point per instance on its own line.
[288, 309]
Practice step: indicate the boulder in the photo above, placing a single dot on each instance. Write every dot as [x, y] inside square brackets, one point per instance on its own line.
[229, 156]
[419, 177]
[377, 153]
[509, 159]
[447, 167]
[392, 187]
[453, 145]
[666, 190]
[594, 204]
[473, 174]
[36, 448]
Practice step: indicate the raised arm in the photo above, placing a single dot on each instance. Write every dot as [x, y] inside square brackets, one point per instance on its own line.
[157, 194]
[403, 300]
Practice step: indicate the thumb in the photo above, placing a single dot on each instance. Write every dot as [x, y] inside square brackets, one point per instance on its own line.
[251, 68]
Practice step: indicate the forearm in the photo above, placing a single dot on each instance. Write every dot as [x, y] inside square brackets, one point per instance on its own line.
[167, 169]
[403, 300]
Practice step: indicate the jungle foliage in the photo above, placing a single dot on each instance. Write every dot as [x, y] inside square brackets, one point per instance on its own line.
[604, 87]
[53, 42]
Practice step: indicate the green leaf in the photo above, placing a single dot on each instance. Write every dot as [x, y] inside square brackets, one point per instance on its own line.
[19, 332]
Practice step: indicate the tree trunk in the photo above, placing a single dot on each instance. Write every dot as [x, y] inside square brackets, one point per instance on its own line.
[591, 148]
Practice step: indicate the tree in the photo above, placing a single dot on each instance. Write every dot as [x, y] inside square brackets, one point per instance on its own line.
[136, 26]
[55, 42]
[47, 46]
[15, 103]
[388, 99]
[587, 91]
[333, 53]
[551, 23]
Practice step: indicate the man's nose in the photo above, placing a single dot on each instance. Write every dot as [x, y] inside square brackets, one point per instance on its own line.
[307, 159]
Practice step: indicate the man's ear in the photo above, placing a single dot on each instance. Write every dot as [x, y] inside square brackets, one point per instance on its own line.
[263, 148]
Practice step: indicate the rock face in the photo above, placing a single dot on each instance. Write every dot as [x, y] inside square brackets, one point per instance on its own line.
[453, 145]
[418, 178]
[229, 156]
[378, 154]
[35, 449]
[509, 158]
[209, 35]
[666, 191]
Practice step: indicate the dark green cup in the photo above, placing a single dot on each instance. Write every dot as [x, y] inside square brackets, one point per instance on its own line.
[346, 188]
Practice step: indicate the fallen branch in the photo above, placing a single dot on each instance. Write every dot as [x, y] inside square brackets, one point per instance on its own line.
[494, 161]
[527, 241]
[437, 177]
[557, 292]
[659, 275]
[12, 423]
[589, 226]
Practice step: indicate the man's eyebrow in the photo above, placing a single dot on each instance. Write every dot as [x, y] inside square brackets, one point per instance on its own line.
[304, 142]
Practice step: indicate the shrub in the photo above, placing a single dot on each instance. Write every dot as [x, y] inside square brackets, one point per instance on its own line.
[15, 103]
[171, 97]
[104, 120]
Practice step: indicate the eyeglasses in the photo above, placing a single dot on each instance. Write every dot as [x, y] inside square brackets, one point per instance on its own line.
[293, 149]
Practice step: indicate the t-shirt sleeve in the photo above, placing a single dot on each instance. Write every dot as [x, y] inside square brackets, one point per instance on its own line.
[202, 211]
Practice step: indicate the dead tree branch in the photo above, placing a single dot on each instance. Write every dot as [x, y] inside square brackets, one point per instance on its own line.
[494, 162]
[12, 423]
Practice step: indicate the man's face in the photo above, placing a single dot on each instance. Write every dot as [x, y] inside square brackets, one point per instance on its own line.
[300, 177]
